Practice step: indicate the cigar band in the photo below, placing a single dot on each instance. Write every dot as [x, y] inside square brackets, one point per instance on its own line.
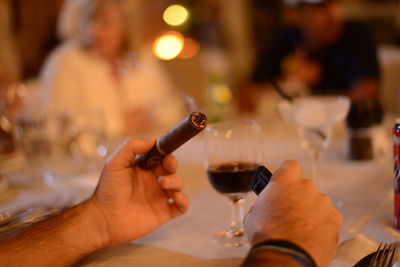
[162, 152]
[154, 162]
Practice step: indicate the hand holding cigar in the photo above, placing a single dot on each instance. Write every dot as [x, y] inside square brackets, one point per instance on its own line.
[172, 140]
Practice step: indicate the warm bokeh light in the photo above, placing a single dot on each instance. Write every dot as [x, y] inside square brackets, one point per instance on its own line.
[168, 46]
[221, 94]
[176, 15]
[190, 49]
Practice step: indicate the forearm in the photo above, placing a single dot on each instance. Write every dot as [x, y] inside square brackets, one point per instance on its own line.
[58, 241]
[269, 258]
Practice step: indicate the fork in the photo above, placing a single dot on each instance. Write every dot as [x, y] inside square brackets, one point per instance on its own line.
[384, 256]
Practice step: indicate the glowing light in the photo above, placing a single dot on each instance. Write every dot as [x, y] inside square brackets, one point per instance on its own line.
[221, 94]
[176, 15]
[168, 46]
[190, 49]
[102, 151]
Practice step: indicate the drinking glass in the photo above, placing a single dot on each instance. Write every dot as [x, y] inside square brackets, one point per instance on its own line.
[233, 152]
[35, 145]
[315, 117]
[78, 139]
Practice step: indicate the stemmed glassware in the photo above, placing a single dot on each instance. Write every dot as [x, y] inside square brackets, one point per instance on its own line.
[233, 152]
[315, 117]
[79, 139]
[35, 145]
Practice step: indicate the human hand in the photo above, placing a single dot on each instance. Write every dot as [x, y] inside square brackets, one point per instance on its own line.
[299, 67]
[293, 209]
[133, 201]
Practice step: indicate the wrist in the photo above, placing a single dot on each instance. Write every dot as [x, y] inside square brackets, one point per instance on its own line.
[269, 258]
[285, 248]
[94, 224]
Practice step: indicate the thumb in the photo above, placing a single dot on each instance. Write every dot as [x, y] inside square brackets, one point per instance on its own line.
[125, 155]
[288, 173]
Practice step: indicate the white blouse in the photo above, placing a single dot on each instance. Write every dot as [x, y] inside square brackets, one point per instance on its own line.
[75, 81]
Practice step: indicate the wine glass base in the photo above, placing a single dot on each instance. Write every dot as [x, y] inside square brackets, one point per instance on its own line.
[338, 202]
[33, 178]
[231, 238]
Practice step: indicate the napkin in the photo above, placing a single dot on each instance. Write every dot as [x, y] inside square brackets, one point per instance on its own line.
[354, 249]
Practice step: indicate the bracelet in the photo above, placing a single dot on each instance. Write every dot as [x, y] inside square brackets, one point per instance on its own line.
[287, 248]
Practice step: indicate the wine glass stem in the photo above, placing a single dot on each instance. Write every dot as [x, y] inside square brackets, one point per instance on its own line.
[315, 155]
[237, 216]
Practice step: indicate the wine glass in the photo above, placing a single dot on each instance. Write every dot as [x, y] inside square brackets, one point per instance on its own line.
[233, 152]
[78, 137]
[35, 145]
[315, 117]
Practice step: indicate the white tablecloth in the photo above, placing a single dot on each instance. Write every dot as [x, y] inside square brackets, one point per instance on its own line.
[363, 188]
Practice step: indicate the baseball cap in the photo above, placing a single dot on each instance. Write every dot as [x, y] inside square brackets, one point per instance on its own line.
[298, 2]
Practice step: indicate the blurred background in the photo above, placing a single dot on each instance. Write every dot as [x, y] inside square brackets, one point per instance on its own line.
[81, 72]
[77, 77]
[229, 33]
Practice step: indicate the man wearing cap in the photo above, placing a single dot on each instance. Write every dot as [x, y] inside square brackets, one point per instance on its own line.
[324, 53]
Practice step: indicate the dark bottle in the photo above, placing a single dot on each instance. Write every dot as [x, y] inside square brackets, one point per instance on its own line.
[363, 115]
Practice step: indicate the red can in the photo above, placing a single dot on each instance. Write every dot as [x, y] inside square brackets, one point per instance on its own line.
[396, 184]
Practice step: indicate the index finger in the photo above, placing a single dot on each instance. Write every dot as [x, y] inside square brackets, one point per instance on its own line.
[125, 155]
[288, 173]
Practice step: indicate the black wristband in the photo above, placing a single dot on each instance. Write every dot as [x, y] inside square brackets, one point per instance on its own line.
[288, 248]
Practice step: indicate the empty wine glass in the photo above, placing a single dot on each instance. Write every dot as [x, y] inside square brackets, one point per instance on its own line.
[315, 118]
[233, 152]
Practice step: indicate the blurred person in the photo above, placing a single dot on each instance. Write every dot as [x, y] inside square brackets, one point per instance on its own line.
[34, 24]
[130, 202]
[9, 56]
[10, 102]
[325, 53]
[95, 71]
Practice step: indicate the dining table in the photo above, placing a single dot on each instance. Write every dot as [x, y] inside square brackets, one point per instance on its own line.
[361, 190]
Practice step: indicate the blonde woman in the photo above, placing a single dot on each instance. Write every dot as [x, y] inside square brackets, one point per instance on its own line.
[95, 71]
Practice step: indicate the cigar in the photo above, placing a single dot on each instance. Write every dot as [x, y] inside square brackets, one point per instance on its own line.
[172, 140]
